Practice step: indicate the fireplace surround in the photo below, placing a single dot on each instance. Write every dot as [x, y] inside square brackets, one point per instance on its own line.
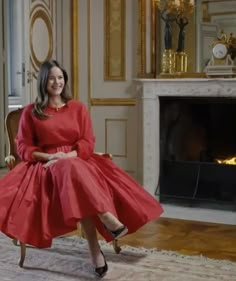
[149, 92]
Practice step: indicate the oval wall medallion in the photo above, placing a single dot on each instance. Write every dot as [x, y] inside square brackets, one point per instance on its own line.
[41, 38]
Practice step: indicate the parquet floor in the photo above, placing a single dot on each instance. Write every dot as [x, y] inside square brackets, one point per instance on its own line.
[186, 237]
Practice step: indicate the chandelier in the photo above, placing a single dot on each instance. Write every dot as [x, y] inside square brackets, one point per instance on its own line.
[178, 7]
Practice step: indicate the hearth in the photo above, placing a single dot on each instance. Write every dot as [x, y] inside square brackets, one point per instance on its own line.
[195, 134]
[149, 92]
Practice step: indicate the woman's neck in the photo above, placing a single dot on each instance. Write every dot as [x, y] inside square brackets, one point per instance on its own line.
[56, 102]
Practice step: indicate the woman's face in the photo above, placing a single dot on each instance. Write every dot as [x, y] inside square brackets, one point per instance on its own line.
[55, 82]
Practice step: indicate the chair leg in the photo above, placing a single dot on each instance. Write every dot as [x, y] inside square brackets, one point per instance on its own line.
[83, 233]
[15, 242]
[116, 247]
[22, 254]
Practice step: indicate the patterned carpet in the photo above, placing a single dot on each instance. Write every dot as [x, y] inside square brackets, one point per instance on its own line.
[68, 260]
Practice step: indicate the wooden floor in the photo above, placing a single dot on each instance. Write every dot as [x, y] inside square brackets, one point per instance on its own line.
[186, 237]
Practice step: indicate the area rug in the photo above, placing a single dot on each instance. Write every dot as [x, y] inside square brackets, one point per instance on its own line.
[68, 260]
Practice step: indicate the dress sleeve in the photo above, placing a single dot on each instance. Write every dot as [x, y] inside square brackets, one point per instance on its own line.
[25, 139]
[85, 145]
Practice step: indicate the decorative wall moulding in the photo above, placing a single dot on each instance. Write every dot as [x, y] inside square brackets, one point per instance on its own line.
[40, 51]
[114, 33]
[113, 102]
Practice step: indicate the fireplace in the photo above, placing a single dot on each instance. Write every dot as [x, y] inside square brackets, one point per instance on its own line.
[197, 149]
[151, 93]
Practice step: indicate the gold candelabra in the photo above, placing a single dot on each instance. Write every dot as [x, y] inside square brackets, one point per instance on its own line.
[175, 6]
[174, 10]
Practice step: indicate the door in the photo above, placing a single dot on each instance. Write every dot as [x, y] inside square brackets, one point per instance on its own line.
[39, 19]
[28, 35]
[31, 41]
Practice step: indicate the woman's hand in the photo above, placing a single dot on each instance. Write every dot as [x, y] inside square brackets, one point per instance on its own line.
[57, 155]
[60, 155]
[49, 163]
[52, 158]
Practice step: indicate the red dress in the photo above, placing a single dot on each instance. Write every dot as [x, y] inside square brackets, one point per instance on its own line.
[38, 204]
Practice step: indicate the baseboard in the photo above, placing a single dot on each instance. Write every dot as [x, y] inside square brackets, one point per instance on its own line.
[199, 214]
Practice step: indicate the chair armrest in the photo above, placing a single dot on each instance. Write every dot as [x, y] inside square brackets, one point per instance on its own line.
[10, 161]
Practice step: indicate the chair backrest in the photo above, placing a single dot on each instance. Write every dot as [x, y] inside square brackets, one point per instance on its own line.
[12, 123]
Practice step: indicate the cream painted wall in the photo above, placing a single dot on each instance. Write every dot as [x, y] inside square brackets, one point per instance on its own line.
[114, 124]
[83, 51]
[63, 34]
[49, 23]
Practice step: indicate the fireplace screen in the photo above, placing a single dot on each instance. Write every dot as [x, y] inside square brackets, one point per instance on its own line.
[198, 149]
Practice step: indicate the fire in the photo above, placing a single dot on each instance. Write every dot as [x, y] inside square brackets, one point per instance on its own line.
[227, 161]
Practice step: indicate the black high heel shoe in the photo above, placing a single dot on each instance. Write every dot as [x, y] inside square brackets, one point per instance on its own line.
[102, 270]
[116, 234]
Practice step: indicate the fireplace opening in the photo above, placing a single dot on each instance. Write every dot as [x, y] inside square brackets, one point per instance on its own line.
[197, 136]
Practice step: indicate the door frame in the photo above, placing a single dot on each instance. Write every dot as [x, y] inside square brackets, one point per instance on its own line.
[4, 79]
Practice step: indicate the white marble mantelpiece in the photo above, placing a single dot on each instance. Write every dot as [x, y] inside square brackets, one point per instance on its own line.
[148, 92]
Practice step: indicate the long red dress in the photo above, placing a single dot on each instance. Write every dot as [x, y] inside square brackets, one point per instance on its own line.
[37, 203]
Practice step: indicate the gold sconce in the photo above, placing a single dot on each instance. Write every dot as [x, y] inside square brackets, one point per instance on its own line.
[174, 11]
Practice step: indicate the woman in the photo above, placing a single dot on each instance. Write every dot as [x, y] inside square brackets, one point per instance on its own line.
[61, 182]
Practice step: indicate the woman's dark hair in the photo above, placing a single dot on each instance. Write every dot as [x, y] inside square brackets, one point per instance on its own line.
[41, 101]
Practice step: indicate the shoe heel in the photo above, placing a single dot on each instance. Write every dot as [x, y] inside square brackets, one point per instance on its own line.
[116, 234]
[102, 270]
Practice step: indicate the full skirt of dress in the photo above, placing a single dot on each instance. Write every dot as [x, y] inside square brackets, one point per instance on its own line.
[38, 204]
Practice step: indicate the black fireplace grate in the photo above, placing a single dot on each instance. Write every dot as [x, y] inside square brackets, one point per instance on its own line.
[197, 181]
